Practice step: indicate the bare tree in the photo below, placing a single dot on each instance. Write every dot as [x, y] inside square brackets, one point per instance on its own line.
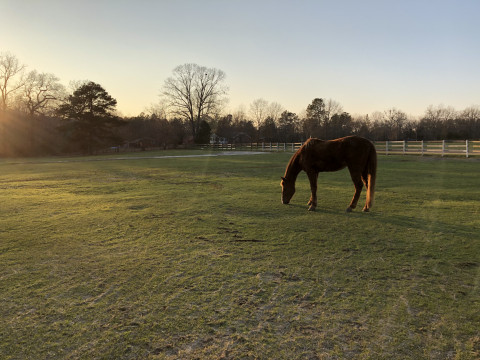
[239, 114]
[275, 110]
[258, 111]
[40, 93]
[9, 68]
[440, 113]
[318, 117]
[395, 121]
[158, 110]
[435, 119]
[261, 109]
[471, 113]
[332, 108]
[195, 92]
[468, 122]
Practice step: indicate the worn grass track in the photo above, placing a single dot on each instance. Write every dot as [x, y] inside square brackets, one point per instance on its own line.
[188, 258]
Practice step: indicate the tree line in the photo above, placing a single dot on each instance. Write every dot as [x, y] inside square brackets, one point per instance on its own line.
[39, 116]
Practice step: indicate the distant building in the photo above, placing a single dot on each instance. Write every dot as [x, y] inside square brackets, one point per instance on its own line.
[142, 143]
[215, 139]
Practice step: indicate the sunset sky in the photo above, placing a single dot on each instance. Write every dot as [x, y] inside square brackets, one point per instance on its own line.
[368, 55]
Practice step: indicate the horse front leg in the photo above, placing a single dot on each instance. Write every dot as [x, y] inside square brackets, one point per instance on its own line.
[312, 177]
[358, 183]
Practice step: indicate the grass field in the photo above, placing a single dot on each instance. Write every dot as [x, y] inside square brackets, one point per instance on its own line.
[196, 258]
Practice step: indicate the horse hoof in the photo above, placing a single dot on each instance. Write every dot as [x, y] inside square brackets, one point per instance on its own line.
[365, 210]
[311, 208]
[349, 209]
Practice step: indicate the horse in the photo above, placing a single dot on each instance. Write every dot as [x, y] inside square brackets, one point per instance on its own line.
[315, 155]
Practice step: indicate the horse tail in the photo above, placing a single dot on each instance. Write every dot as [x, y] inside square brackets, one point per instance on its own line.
[371, 177]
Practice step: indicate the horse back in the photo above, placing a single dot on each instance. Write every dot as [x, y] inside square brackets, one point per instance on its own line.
[333, 155]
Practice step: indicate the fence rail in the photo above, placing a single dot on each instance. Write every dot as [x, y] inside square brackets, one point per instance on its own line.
[263, 146]
[465, 148]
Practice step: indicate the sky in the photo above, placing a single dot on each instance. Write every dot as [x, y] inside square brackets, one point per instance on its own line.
[368, 55]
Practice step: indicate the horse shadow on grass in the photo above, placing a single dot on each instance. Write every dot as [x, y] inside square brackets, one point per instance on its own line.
[321, 210]
[426, 224]
[433, 225]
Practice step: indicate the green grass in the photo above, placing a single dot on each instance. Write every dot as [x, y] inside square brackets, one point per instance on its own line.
[188, 258]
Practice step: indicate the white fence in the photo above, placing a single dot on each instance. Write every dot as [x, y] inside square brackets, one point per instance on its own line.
[464, 148]
[442, 147]
[263, 146]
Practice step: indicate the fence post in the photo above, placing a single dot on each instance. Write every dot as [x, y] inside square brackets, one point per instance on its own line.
[386, 147]
[422, 148]
[443, 147]
[404, 146]
[466, 148]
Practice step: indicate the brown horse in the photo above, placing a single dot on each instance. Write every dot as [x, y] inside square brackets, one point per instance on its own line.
[354, 152]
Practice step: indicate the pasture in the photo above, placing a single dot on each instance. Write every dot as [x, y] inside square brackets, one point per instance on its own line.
[196, 258]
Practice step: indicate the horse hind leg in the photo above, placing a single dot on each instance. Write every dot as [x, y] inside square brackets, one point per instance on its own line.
[365, 182]
[365, 179]
[358, 183]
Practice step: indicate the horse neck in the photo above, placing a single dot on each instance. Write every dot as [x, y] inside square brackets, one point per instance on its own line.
[293, 168]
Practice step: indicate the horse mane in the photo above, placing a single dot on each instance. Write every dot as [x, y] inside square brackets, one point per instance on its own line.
[293, 166]
[292, 163]
[309, 143]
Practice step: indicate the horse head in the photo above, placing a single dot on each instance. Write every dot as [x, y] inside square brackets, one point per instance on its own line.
[288, 189]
